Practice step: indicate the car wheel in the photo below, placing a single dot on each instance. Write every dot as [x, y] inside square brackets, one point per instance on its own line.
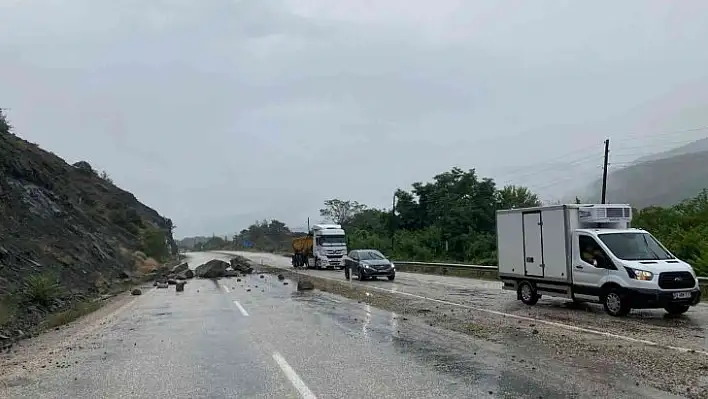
[615, 303]
[391, 278]
[527, 293]
[675, 309]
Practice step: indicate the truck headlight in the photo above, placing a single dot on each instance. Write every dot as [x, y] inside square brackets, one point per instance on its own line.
[639, 274]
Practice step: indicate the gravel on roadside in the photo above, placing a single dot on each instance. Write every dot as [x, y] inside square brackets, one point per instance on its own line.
[680, 373]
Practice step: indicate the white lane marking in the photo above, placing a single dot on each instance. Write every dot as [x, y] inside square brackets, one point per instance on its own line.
[550, 323]
[513, 316]
[226, 289]
[243, 311]
[295, 379]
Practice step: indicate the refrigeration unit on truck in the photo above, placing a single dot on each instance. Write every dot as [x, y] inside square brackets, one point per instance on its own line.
[587, 252]
[323, 247]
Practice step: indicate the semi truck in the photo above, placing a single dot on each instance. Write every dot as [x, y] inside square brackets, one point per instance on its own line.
[590, 253]
[324, 247]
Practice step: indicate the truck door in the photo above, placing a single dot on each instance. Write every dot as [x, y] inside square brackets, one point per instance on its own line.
[532, 226]
[587, 276]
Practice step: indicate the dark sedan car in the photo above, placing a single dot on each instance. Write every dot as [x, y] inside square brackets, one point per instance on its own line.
[368, 263]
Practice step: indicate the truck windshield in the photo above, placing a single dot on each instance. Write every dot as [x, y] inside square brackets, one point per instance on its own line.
[331, 240]
[635, 246]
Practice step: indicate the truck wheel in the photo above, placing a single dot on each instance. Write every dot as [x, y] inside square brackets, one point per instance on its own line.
[675, 309]
[527, 293]
[615, 303]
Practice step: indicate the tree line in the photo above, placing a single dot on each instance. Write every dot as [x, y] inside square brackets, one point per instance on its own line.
[452, 219]
[683, 228]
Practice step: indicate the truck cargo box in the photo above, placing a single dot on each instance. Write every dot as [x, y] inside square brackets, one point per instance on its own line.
[535, 242]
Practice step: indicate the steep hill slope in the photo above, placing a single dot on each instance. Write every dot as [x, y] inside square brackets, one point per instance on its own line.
[661, 179]
[65, 230]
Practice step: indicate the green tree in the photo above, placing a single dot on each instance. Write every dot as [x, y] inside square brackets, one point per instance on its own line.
[155, 244]
[5, 126]
[265, 235]
[341, 212]
[105, 177]
[516, 197]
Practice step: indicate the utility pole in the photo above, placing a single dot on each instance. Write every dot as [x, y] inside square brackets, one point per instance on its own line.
[308, 225]
[604, 170]
[393, 222]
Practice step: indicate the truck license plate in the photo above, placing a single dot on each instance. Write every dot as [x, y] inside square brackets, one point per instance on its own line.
[682, 295]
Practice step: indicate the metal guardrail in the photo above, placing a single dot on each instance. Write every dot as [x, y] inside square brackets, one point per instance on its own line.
[701, 280]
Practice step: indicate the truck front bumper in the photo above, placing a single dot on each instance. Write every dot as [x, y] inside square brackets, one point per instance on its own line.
[653, 299]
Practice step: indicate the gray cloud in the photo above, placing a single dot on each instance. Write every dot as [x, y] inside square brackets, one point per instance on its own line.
[223, 112]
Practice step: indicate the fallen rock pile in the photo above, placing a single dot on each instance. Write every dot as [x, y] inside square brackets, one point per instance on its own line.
[215, 268]
[241, 265]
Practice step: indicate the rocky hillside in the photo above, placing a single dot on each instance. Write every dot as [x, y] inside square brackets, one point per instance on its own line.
[661, 179]
[65, 231]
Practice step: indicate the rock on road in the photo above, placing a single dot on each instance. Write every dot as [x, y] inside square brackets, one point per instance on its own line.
[259, 338]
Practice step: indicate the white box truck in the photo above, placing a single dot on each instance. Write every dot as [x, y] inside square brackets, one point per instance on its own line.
[587, 252]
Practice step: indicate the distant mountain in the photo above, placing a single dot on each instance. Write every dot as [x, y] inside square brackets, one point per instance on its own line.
[690, 148]
[661, 179]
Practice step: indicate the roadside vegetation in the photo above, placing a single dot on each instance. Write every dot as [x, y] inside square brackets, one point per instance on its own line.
[452, 219]
[683, 228]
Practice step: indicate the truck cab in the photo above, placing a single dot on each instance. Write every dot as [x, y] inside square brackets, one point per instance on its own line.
[590, 253]
[329, 246]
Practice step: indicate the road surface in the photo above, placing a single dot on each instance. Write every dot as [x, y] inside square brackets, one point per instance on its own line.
[689, 331]
[260, 338]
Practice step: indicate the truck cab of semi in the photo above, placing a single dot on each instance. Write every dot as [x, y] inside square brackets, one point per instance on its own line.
[329, 246]
[590, 253]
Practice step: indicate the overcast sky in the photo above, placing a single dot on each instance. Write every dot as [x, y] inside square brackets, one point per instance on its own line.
[218, 113]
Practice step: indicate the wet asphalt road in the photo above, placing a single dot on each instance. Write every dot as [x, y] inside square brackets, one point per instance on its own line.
[689, 331]
[219, 340]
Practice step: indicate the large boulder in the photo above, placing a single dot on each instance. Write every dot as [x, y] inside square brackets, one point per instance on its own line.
[180, 268]
[215, 268]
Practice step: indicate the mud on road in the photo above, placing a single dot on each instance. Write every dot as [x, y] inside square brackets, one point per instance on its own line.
[607, 359]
